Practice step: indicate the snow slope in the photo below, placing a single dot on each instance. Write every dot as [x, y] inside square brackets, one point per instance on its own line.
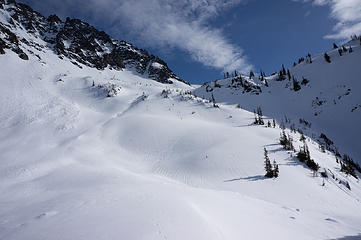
[108, 154]
[330, 101]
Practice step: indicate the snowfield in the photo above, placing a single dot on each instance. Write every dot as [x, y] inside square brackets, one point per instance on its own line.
[111, 154]
[330, 101]
[76, 164]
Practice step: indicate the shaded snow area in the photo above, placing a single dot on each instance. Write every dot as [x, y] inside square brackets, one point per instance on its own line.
[152, 162]
[91, 154]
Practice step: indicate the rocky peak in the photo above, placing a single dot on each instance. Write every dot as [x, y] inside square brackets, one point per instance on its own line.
[80, 42]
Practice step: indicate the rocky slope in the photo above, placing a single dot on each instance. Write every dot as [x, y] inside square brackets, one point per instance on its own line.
[76, 40]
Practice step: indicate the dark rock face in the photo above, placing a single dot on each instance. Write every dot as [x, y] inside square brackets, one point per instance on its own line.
[80, 42]
[10, 41]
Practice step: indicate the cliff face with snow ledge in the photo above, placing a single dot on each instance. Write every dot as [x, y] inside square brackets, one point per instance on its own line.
[95, 152]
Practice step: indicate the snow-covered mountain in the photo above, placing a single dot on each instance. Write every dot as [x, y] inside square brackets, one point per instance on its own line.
[91, 147]
[22, 27]
[315, 96]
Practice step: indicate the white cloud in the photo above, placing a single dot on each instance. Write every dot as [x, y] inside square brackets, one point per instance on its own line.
[181, 24]
[347, 13]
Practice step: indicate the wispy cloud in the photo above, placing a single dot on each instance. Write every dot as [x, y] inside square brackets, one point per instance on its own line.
[347, 13]
[182, 24]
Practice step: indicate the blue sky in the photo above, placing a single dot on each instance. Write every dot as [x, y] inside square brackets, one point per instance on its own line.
[200, 39]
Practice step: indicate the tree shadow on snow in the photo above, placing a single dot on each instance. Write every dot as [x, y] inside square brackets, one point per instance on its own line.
[358, 237]
[250, 178]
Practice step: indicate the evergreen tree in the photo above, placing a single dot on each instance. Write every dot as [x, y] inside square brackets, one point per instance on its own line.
[255, 117]
[266, 82]
[296, 85]
[304, 156]
[281, 77]
[350, 50]
[335, 46]
[348, 166]
[286, 141]
[214, 101]
[340, 52]
[288, 74]
[267, 165]
[227, 74]
[251, 74]
[275, 169]
[283, 70]
[273, 123]
[302, 138]
[327, 58]
[269, 124]
[260, 116]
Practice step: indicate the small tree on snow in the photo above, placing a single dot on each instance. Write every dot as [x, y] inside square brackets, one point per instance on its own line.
[296, 85]
[267, 165]
[275, 169]
[327, 58]
[271, 171]
[251, 74]
[286, 141]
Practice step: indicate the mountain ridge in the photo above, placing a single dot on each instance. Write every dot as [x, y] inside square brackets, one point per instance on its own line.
[80, 42]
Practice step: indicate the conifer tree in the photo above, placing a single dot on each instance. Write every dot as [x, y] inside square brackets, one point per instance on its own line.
[275, 169]
[251, 74]
[350, 50]
[302, 138]
[260, 116]
[255, 117]
[296, 85]
[286, 141]
[335, 46]
[340, 52]
[288, 74]
[304, 156]
[327, 58]
[266, 82]
[273, 123]
[214, 101]
[267, 165]
[283, 70]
